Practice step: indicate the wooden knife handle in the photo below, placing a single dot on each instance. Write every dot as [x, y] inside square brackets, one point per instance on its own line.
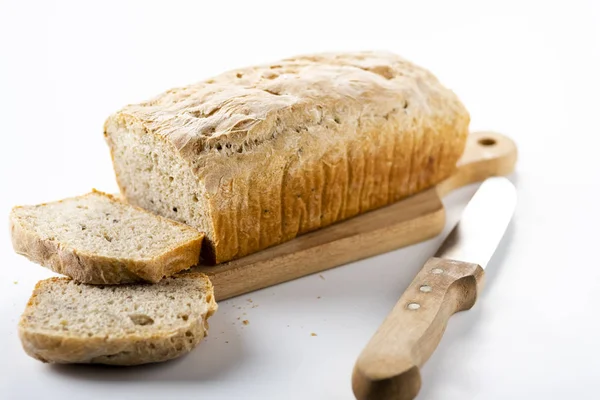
[388, 367]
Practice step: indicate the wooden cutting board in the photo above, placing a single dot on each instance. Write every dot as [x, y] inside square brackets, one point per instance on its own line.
[414, 219]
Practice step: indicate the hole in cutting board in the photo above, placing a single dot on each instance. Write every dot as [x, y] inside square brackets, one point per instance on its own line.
[487, 141]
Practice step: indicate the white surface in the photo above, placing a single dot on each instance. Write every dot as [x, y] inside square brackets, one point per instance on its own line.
[527, 69]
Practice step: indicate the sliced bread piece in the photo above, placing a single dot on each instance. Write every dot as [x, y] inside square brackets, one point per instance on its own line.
[98, 239]
[69, 322]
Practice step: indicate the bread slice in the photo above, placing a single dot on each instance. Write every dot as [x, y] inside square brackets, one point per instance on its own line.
[69, 322]
[98, 239]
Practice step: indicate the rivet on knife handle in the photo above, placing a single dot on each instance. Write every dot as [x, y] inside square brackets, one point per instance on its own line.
[388, 367]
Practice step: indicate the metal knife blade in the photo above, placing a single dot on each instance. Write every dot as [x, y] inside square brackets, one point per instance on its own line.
[483, 223]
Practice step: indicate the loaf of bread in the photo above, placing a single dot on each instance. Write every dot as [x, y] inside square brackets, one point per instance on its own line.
[259, 155]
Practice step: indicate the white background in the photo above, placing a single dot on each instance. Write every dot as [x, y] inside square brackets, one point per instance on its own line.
[527, 69]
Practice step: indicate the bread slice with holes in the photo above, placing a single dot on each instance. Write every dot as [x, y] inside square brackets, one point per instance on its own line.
[98, 239]
[70, 322]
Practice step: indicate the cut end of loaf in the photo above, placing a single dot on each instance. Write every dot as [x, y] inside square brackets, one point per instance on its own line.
[68, 322]
[151, 175]
[98, 239]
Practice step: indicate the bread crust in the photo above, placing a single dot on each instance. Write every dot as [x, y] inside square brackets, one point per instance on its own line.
[52, 347]
[290, 147]
[96, 269]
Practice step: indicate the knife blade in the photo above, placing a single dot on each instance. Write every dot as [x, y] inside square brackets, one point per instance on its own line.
[388, 367]
[482, 224]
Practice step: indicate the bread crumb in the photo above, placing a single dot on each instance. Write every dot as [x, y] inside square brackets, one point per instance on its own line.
[245, 322]
[16, 282]
[254, 306]
[249, 300]
[313, 334]
[321, 276]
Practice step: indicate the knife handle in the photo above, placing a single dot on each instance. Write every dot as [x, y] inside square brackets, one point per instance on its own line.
[388, 367]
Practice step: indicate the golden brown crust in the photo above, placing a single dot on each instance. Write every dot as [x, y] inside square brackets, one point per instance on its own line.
[287, 148]
[97, 269]
[61, 348]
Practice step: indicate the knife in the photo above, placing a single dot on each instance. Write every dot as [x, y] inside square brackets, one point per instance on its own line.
[388, 367]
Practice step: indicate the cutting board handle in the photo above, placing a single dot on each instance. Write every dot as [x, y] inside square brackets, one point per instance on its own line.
[486, 154]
